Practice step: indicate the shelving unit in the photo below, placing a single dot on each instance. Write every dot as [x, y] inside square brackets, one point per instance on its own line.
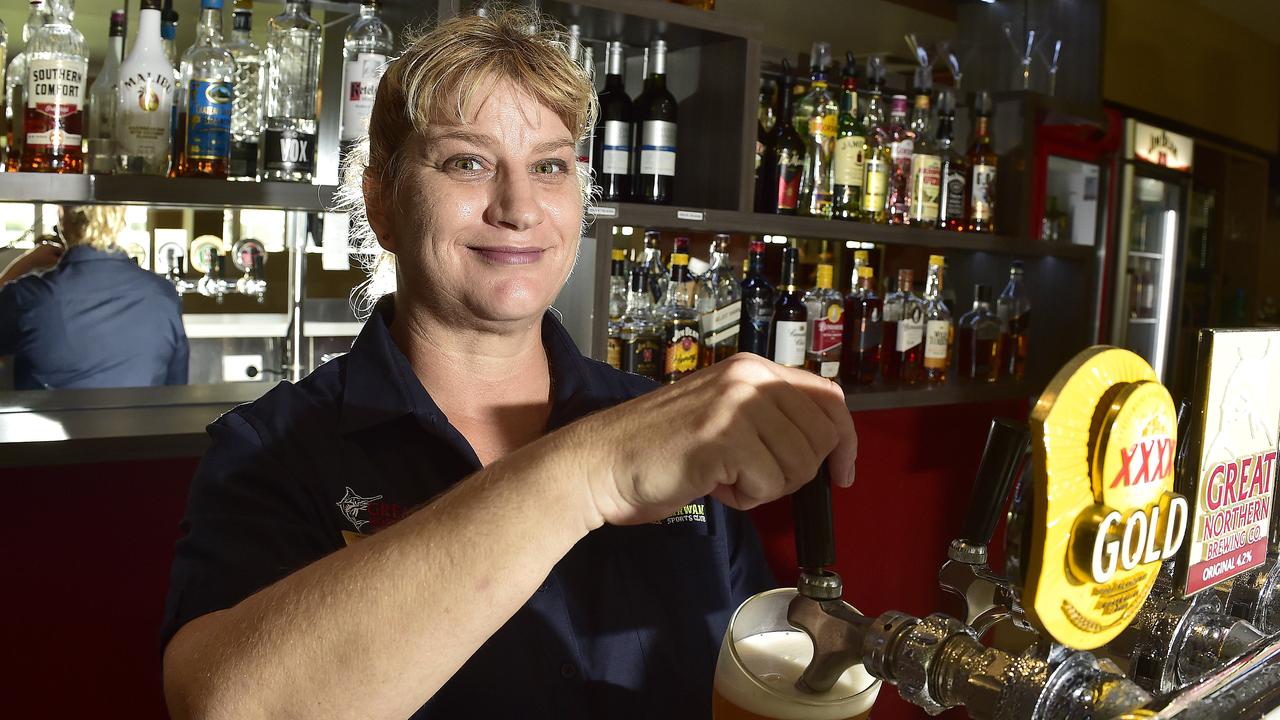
[885, 397]
[162, 192]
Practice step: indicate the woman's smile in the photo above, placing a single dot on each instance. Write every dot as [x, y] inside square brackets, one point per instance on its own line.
[507, 254]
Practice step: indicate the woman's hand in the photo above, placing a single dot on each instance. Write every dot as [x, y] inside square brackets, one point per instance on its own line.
[745, 431]
[44, 255]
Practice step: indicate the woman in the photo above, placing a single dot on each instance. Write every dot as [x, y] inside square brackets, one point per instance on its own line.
[463, 517]
[94, 320]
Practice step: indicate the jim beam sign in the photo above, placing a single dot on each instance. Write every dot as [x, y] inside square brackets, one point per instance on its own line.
[1160, 147]
[1104, 512]
[1230, 468]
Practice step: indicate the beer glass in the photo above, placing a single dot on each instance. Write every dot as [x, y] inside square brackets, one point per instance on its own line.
[761, 659]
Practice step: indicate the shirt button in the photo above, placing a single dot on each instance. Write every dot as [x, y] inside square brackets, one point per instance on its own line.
[568, 671]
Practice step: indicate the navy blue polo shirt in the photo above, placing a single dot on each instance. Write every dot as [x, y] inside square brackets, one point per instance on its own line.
[95, 320]
[627, 625]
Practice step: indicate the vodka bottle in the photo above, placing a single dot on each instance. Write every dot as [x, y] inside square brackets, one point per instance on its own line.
[57, 66]
[144, 100]
[204, 119]
[293, 72]
[102, 101]
[15, 89]
[246, 111]
[365, 49]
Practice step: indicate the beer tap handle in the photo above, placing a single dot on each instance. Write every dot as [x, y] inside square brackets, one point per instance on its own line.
[815, 536]
[1002, 459]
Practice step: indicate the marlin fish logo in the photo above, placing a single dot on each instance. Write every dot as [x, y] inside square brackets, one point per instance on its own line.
[351, 505]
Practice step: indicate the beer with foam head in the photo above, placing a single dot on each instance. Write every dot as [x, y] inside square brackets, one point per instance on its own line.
[761, 659]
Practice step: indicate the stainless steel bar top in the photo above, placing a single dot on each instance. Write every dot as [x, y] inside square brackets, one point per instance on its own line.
[59, 427]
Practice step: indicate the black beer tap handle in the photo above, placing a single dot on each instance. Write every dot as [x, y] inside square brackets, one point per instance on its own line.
[815, 534]
[1002, 458]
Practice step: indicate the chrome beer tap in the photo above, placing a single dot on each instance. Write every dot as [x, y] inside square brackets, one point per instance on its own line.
[250, 257]
[175, 259]
[214, 283]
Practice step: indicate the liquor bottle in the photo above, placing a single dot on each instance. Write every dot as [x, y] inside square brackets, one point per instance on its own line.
[938, 330]
[651, 262]
[982, 162]
[679, 323]
[246, 110]
[15, 89]
[925, 195]
[641, 332]
[850, 150]
[877, 167]
[978, 347]
[204, 121]
[823, 119]
[143, 100]
[718, 301]
[617, 306]
[860, 260]
[955, 176]
[612, 154]
[790, 319]
[860, 348]
[902, 338]
[102, 101]
[169, 33]
[584, 148]
[764, 116]
[168, 36]
[293, 74]
[758, 295]
[1014, 309]
[901, 142]
[824, 308]
[57, 65]
[4, 55]
[656, 120]
[365, 49]
[785, 160]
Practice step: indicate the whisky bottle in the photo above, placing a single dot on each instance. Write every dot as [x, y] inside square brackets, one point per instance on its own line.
[790, 318]
[902, 341]
[204, 120]
[955, 176]
[102, 101]
[641, 332]
[1014, 309]
[982, 162]
[53, 114]
[926, 170]
[617, 283]
[293, 76]
[246, 110]
[823, 120]
[15, 89]
[902, 142]
[978, 348]
[651, 262]
[365, 49]
[612, 154]
[860, 348]
[656, 120]
[681, 338]
[850, 150]
[756, 319]
[938, 330]
[824, 308]
[718, 302]
[144, 100]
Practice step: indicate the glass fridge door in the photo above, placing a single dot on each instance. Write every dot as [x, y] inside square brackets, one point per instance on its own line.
[1151, 232]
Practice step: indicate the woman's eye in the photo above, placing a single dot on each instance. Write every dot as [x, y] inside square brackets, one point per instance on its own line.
[466, 164]
[549, 167]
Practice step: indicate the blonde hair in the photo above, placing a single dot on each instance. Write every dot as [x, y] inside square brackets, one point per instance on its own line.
[97, 226]
[437, 79]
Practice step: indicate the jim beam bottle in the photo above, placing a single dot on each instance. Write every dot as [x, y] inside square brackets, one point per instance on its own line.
[143, 100]
[790, 318]
[641, 330]
[681, 338]
[979, 346]
[53, 120]
[204, 120]
[825, 309]
[860, 354]
[902, 343]
[719, 305]
[1014, 309]
[938, 330]
[982, 161]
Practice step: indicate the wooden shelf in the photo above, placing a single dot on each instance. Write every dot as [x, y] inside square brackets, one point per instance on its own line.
[636, 22]
[955, 392]
[162, 192]
[670, 217]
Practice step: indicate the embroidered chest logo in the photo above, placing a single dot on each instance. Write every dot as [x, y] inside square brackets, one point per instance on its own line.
[351, 505]
[693, 512]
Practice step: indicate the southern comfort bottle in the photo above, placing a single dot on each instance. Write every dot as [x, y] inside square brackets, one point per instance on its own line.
[53, 120]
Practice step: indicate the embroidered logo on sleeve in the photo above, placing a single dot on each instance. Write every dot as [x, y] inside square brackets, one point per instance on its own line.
[352, 505]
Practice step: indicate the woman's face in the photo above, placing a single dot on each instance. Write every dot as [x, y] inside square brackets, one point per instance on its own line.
[486, 221]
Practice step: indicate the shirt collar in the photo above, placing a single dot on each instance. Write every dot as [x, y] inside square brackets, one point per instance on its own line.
[85, 253]
[380, 385]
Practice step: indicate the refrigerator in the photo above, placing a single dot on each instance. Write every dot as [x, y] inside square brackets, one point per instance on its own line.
[1152, 222]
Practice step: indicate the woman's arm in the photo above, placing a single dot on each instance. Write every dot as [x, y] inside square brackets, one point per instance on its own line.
[40, 257]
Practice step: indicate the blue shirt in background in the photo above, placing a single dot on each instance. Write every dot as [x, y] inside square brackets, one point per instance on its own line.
[94, 320]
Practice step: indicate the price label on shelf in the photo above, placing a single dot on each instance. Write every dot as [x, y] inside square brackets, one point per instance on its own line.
[689, 215]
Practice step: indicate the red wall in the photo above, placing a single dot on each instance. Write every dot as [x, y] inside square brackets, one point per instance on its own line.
[89, 546]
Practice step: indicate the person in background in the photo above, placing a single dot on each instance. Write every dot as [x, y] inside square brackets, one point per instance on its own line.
[88, 316]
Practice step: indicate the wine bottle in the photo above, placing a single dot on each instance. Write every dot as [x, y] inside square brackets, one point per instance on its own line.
[656, 116]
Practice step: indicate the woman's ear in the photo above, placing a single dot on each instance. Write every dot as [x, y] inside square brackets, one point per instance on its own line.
[374, 191]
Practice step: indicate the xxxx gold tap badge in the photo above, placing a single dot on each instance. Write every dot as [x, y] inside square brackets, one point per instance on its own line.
[1230, 465]
[1104, 513]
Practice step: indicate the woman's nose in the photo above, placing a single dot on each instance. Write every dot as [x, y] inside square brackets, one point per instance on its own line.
[515, 204]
